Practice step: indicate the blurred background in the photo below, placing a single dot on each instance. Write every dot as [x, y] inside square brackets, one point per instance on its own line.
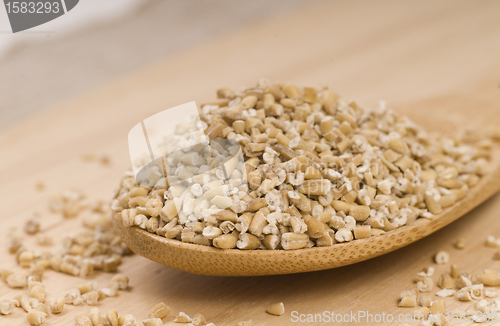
[101, 40]
[364, 50]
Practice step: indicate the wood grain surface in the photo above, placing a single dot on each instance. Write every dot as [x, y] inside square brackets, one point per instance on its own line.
[436, 61]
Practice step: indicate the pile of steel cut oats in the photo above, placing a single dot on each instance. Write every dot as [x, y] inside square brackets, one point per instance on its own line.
[317, 171]
[478, 288]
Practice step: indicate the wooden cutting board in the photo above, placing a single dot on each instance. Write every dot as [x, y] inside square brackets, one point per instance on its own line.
[436, 61]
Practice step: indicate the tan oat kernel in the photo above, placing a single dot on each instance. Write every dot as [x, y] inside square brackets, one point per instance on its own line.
[276, 309]
[182, 318]
[454, 271]
[29, 304]
[160, 310]
[7, 306]
[446, 282]
[422, 311]
[492, 242]
[26, 258]
[459, 243]
[445, 293]
[199, 320]
[248, 242]
[152, 322]
[38, 292]
[119, 282]
[360, 213]
[87, 287]
[425, 285]
[17, 280]
[441, 257]
[463, 296]
[83, 319]
[112, 317]
[32, 226]
[56, 305]
[408, 300]
[438, 306]
[425, 301]
[432, 205]
[127, 320]
[291, 241]
[95, 316]
[91, 298]
[362, 232]
[35, 317]
[489, 278]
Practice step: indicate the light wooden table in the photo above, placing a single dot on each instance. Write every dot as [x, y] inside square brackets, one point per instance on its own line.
[436, 61]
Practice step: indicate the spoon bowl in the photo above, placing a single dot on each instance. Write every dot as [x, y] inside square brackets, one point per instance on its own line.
[199, 259]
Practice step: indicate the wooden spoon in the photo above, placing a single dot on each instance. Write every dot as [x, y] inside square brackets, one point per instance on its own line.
[205, 260]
